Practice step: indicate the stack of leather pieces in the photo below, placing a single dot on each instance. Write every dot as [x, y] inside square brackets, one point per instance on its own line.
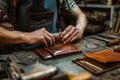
[58, 50]
[99, 62]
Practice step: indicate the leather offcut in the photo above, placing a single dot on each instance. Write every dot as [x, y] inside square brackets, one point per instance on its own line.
[104, 56]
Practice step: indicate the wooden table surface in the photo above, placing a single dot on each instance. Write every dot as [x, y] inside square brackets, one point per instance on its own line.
[65, 63]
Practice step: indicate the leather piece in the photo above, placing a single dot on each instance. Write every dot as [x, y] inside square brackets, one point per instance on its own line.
[96, 67]
[104, 56]
[1, 69]
[59, 49]
[56, 51]
[63, 49]
[42, 53]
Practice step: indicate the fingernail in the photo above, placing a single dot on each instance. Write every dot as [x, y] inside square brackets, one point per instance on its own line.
[61, 35]
[64, 42]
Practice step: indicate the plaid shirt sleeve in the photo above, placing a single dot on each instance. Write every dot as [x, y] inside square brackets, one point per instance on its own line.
[3, 6]
[68, 4]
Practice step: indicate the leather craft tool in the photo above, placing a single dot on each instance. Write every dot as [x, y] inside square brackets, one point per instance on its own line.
[37, 71]
[94, 67]
[107, 36]
[109, 42]
[117, 26]
[115, 48]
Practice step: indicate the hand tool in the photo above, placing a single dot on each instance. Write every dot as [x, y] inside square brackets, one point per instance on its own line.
[108, 36]
[1, 69]
[3, 58]
[119, 32]
[91, 65]
[13, 72]
[87, 66]
[117, 26]
[108, 41]
[115, 48]
[37, 71]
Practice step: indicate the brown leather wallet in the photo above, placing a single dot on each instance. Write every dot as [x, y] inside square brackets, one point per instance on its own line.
[99, 62]
[59, 49]
[96, 67]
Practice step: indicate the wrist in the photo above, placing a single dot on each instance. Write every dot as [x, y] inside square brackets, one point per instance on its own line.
[80, 30]
[23, 38]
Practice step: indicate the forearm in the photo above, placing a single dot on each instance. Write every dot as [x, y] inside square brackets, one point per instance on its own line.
[81, 22]
[11, 37]
[16, 37]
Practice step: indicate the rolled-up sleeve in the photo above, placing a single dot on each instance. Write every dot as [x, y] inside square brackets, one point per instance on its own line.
[68, 4]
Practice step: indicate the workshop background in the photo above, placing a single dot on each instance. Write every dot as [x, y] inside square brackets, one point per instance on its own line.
[103, 17]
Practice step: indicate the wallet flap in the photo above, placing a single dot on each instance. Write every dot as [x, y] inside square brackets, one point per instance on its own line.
[63, 49]
[42, 53]
[56, 51]
[104, 56]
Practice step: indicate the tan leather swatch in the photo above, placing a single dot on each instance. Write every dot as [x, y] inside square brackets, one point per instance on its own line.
[104, 56]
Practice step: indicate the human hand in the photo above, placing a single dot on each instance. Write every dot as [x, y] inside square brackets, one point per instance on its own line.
[40, 36]
[71, 33]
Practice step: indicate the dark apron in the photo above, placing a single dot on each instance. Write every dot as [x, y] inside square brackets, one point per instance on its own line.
[36, 14]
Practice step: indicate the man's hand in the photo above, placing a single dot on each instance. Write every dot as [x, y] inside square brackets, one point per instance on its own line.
[40, 36]
[71, 33]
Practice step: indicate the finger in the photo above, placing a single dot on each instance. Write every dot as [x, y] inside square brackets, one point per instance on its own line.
[69, 34]
[70, 38]
[48, 39]
[43, 40]
[51, 37]
[74, 38]
[66, 30]
[77, 36]
[65, 38]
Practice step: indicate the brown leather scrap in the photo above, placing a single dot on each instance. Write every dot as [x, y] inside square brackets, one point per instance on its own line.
[104, 56]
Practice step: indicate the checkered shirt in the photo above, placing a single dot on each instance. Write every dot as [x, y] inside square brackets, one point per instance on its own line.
[68, 4]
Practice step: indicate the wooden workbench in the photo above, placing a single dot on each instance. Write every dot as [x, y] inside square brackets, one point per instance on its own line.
[65, 63]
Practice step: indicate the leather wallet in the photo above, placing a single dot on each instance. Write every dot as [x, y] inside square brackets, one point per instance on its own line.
[104, 56]
[58, 50]
[96, 67]
[99, 62]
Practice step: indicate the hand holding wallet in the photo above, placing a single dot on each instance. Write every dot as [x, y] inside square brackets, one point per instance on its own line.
[58, 50]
